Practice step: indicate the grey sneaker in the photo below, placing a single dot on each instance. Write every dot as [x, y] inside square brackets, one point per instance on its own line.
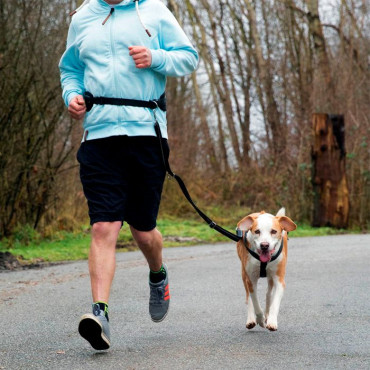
[95, 328]
[159, 301]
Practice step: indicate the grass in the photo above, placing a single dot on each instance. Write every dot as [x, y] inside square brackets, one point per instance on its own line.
[67, 246]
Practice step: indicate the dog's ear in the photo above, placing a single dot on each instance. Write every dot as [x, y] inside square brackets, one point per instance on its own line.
[286, 223]
[247, 222]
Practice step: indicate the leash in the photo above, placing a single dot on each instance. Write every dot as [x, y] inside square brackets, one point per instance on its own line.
[240, 234]
[160, 103]
[184, 190]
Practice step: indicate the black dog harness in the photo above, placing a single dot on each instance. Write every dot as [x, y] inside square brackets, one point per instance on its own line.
[243, 236]
[160, 103]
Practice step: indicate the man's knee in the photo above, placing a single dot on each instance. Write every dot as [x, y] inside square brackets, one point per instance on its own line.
[146, 239]
[104, 230]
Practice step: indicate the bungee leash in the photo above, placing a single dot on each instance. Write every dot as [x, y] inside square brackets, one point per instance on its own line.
[184, 190]
[241, 235]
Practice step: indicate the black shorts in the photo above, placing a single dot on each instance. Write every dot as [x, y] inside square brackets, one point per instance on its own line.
[122, 178]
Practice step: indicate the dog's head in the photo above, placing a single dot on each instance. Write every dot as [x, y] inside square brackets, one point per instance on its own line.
[265, 231]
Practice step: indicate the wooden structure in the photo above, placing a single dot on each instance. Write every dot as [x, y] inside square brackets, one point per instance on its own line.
[331, 201]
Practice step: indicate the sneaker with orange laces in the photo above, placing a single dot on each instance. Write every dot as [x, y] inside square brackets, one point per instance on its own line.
[159, 301]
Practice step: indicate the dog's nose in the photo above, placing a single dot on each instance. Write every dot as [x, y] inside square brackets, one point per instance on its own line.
[264, 246]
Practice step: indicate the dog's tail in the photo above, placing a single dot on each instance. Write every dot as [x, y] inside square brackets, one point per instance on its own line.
[281, 212]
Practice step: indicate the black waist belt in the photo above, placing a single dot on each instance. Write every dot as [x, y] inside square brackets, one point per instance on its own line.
[90, 100]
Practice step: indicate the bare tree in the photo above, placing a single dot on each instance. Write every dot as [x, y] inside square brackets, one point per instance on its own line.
[35, 141]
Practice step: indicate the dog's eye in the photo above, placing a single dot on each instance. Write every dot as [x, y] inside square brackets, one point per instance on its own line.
[273, 232]
[257, 232]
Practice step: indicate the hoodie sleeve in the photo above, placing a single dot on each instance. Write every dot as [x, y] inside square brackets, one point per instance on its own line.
[71, 69]
[176, 56]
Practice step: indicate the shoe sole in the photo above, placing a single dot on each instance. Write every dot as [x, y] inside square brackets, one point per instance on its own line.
[91, 329]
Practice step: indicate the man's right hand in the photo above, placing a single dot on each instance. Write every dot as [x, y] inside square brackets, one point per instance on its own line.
[77, 107]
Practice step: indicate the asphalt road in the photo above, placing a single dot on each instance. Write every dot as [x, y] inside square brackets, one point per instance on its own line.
[324, 320]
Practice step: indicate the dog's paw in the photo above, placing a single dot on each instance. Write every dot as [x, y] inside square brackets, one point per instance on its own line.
[261, 320]
[271, 325]
[250, 325]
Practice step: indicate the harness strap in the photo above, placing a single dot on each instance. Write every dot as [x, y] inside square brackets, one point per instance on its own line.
[243, 235]
[273, 258]
[90, 100]
[263, 272]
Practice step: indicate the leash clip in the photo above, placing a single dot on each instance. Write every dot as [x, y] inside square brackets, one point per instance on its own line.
[154, 109]
[239, 232]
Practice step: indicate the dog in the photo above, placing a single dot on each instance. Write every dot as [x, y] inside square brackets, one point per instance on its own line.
[264, 235]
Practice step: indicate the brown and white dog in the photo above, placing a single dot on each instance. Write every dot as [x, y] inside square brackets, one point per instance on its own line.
[264, 234]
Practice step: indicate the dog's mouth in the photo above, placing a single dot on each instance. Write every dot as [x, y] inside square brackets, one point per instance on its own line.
[265, 255]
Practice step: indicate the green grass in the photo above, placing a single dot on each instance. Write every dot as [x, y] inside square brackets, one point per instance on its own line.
[64, 246]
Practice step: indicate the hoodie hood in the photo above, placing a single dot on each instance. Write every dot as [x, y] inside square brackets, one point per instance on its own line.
[98, 6]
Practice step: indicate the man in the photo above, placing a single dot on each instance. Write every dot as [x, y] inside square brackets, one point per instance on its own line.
[115, 51]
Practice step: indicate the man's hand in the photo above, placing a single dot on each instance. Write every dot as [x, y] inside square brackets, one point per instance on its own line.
[77, 107]
[141, 56]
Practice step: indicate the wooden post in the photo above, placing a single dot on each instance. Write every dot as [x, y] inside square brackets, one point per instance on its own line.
[331, 201]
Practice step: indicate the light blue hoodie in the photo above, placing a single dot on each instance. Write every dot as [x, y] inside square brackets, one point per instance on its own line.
[97, 60]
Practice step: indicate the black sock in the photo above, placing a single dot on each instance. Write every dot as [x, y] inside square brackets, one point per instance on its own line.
[157, 276]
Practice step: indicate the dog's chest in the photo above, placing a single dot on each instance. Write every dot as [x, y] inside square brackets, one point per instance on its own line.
[253, 268]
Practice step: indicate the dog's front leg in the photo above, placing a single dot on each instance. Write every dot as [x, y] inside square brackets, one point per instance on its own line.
[270, 285]
[251, 318]
[260, 317]
[257, 314]
[273, 310]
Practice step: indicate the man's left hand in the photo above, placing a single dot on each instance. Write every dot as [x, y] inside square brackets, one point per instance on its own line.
[141, 56]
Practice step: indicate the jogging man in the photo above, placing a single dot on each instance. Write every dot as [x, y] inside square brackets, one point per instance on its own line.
[117, 50]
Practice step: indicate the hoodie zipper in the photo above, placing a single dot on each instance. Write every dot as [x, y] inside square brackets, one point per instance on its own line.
[113, 52]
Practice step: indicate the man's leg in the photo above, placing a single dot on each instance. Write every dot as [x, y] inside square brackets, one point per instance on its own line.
[102, 258]
[102, 263]
[151, 244]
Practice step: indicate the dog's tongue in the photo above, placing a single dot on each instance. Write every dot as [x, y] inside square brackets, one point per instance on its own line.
[265, 257]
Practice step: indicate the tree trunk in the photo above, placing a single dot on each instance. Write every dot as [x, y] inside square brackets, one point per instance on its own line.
[323, 92]
[331, 201]
[272, 114]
